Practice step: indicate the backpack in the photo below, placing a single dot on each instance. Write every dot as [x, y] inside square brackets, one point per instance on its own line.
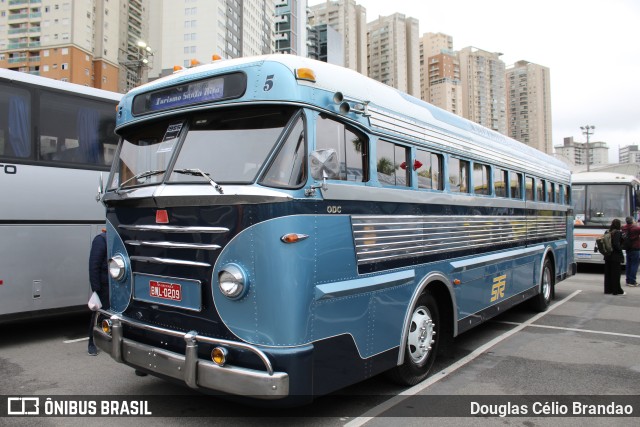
[627, 244]
[604, 244]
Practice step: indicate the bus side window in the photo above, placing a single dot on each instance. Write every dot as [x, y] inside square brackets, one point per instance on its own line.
[391, 164]
[15, 122]
[516, 185]
[540, 184]
[351, 146]
[500, 180]
[76, 130]
[530, 188]
[458, 175]
[429, 168]
[481, 179]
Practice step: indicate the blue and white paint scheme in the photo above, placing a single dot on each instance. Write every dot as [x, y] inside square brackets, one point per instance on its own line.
[310, 228]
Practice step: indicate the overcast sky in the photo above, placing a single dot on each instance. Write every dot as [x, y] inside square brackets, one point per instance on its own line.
[592, 48]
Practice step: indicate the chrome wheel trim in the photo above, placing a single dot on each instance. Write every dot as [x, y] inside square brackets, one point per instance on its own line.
[546, 283]
[421, 335]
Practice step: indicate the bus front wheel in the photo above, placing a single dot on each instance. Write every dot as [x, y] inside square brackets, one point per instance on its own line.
[421, 345]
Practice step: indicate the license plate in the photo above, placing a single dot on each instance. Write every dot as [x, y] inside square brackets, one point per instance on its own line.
[165, 290]
[583, 255]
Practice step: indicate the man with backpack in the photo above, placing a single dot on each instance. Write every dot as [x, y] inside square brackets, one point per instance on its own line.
[631, 245]
[613, 260]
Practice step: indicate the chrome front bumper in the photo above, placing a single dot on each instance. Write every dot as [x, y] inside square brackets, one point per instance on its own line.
[196, 373]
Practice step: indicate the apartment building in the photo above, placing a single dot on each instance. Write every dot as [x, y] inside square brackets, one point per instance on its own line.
[393, 52]
[325, 44]
[291, 27]
[135, 55]
[629, 154]
[482, 75]
[432, 44]
[529, 105]
[579, 153]
[75, 41]
[350, 20]
[187, 32]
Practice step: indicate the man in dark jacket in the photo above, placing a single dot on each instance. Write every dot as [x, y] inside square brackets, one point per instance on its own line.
[631, 231]
[98, 279]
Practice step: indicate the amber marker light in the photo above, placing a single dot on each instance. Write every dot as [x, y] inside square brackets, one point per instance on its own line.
[456, 281]
[106, 326]
[219, 356]
[306, 74]
[293, 237]
[216, 57]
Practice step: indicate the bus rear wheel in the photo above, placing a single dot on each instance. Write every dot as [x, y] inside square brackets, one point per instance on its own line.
[547, 281]
[421, 345]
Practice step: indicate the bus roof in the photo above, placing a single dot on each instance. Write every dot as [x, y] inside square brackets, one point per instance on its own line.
[603, 178]
[46, 82]
[392, 111]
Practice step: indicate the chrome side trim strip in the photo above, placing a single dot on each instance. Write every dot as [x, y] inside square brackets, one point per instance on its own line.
[468, 264]
[367, 284]
[174, 245]
[174, 228]
[159, 260]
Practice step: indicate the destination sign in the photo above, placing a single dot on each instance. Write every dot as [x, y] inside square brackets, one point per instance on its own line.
[214, 89]
[193, 93]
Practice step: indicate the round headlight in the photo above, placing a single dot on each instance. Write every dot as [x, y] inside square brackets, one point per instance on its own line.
[232, 281]
[117, 267]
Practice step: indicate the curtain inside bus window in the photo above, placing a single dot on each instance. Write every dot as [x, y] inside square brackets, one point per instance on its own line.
[87, 124]
[19, 139]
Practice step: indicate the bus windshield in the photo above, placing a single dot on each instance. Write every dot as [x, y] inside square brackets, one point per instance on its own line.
[599, 204]
[229, 146]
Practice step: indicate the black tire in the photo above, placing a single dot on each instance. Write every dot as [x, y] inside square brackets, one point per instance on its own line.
[547, 283]
[421, 347]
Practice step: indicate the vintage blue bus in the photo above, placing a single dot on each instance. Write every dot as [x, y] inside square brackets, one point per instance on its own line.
[280, 227]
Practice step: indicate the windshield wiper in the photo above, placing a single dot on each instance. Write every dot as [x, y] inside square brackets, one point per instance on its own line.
[141, 175]
[198, 172]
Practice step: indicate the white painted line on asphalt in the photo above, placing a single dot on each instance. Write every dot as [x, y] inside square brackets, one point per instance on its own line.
[589, 331]
[374, 412]
[76, 340]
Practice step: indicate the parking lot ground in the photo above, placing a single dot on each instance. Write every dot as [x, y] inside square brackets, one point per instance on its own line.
[586, 345]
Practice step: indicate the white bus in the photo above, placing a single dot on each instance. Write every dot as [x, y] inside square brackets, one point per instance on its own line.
[597, 199]
[55, 140]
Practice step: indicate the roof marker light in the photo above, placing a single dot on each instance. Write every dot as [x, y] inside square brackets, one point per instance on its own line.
[306, 74]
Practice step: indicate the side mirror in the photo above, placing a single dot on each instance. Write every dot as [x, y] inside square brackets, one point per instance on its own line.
[100, 188]
[324, 164]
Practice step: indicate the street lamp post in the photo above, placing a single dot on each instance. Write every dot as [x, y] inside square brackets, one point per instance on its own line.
[135, 63]
[588, 131]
